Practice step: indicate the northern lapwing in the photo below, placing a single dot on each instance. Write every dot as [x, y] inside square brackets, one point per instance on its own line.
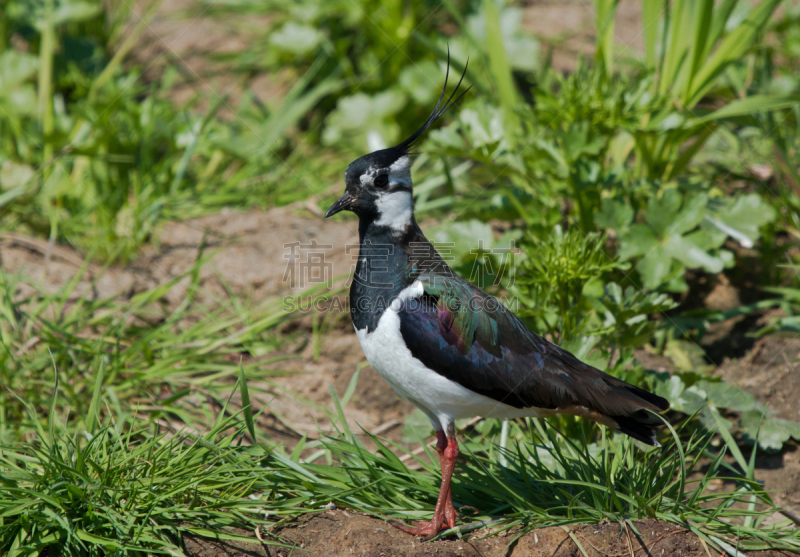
[447, 346]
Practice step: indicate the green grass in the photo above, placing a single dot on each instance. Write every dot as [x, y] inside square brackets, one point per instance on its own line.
[138, 354]
[112, 493]
[135, 489]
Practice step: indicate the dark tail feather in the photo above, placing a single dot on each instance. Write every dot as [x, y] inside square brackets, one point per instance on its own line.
[641, 426]
[661, 404]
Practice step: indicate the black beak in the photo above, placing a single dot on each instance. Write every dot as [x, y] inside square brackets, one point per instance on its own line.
[341, 204]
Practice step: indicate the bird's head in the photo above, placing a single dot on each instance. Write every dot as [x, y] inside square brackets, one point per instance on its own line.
[378, 185]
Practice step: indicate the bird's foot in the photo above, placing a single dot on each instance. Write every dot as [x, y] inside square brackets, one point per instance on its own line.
[430, 528]
[427, 529]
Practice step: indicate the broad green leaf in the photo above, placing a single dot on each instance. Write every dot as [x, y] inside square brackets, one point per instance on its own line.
[654, 267]
[15, 68]
[772, 432]
[421, 81]
[363, 113]
[728, 396]
[416, 426]
[690, 215]
[71, 11]
[687, 356]
[639, 239]
[457, 241]
[681, 248]
[742, 217]
[614, 214]
[296, 38]
[13, 174]
[661, 212]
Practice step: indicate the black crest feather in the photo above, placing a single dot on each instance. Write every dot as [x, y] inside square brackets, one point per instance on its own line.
[440, 108]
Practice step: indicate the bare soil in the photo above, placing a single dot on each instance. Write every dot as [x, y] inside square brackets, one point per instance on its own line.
[771, 372]
[345, 533]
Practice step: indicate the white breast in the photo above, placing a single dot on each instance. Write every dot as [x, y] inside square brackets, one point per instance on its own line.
[441, 399]
[394, 209]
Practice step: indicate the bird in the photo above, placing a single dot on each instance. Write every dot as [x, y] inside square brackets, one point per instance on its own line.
[449, 348]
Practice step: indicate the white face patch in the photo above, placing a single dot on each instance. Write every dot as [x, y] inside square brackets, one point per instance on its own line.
[400, 172]
[394, 202]
[394, 210]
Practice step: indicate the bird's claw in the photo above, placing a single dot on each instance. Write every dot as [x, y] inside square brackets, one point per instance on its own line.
[430, 528]
[427, 529]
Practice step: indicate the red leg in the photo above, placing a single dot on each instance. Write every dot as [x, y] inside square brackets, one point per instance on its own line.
[444, 516]
[448, 466]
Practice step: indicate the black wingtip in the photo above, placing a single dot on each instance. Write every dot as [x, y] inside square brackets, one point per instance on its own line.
[439, 109]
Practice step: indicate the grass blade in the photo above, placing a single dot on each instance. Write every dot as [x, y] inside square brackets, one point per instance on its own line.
[94, 406]
[246, 406]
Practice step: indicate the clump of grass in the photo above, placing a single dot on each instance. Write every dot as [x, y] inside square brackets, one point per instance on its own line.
[124, 490]
[140, 354]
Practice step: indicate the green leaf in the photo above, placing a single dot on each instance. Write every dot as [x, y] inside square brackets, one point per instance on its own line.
[297, 38]
[741, 217]
[615, 214]
[457, 241]
[75, 10]
[362, 113]
[662, 211]
[16, 68]
[107, 543]
[690, 215]
[498, 59]
[421, 81]
[685, 251]
[687, 356]
[731, 49]
[416, 426]
[639, 239]
[246, 404]
[772, 432]
[15, 175]
[651, 13]
[94, 405]
[747, 106]
[605, 11]
[654, 267]
[730, 397]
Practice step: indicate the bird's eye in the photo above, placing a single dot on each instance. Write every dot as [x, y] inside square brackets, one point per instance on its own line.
[381, 181]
